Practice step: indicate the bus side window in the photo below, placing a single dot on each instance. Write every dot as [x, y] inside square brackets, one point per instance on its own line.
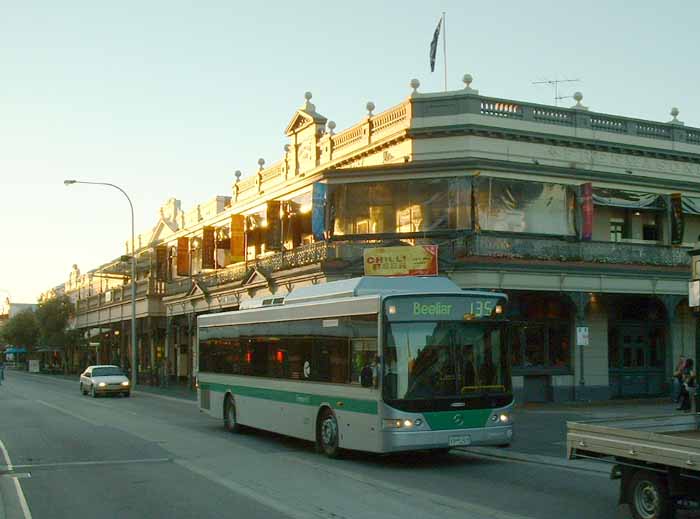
[364, 365]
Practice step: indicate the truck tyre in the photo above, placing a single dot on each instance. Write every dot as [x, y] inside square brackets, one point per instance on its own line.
[648, 496]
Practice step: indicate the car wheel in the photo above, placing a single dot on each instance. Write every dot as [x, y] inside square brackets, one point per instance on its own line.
[230, 419]
[93, 393]
[328, 434]
[128, 394]
[82, 389]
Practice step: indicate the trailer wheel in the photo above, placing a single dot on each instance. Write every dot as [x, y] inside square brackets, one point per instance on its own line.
[648, 496]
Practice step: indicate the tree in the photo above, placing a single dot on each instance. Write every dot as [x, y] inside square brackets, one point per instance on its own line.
[21, 330]
[52, 317]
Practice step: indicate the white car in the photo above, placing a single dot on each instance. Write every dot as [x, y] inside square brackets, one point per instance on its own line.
[104, 380]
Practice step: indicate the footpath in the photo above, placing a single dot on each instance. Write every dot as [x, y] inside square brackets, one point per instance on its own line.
[540, 430]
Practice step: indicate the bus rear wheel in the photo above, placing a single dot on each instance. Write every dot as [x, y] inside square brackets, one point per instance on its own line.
[230, 419]
[328, 434]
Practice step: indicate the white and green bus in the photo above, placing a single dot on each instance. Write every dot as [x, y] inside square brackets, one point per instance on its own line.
[372, 364]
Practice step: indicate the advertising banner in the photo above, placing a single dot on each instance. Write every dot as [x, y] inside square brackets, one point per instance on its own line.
[587, 211]
[677, 219]
[420, 260]
[208, 247]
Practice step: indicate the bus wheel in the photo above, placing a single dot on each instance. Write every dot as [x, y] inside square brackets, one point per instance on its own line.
[648, 496]
[230, 421]
[328, 434]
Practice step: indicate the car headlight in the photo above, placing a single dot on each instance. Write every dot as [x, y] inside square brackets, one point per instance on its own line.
[125, 383]
[102, 384]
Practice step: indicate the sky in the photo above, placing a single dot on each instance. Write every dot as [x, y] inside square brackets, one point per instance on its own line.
[170, 98]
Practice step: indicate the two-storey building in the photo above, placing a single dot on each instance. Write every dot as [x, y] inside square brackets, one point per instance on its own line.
[584, 219]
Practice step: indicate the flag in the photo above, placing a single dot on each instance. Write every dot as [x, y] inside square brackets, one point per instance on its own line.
[433, 46]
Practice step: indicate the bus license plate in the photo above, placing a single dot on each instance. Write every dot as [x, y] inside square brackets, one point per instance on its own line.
[457, 441]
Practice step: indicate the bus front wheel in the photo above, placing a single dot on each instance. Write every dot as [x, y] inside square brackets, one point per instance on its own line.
[230, 420]
[328, 434]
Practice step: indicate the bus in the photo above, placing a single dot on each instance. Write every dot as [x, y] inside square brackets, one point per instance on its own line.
[372, 364]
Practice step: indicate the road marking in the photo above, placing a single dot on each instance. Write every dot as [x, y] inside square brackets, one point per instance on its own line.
[69, 413]
[268, 501]
[91, 463]
[437, 500]
[18, 488]
[6, 455]
[595, 469]
[22, 500]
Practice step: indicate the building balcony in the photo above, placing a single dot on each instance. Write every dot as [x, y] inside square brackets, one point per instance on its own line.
[120, 295]
[536, 247]
[347, 255]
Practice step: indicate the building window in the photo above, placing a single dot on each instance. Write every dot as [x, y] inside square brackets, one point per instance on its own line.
[540, 335]
[617, 228]
[650, 232]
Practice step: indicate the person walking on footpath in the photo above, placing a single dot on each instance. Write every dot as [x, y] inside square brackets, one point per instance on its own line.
[678, 379]
[688, 386]
[2, 371]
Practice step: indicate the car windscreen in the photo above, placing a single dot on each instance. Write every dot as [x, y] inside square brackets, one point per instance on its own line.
[106, 372]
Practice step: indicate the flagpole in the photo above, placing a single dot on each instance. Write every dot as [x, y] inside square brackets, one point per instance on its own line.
[444, 46]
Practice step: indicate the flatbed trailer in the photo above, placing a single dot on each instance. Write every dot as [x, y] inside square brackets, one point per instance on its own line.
[656, 459]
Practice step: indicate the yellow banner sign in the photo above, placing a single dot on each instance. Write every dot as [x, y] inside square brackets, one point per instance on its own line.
[402, 261]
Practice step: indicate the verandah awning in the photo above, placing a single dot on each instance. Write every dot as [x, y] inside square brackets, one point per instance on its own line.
[627, 199]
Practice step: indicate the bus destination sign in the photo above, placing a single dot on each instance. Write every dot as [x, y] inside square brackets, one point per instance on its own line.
[448, 308]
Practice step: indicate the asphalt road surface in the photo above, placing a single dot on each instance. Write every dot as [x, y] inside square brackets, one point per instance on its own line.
[154, 457]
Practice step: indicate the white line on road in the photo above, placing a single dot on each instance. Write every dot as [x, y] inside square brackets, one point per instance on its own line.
[437, 500]
[22, 500]
[69, 413]
[91, 463]
[250, 493]
[18, 487]
[6, 455]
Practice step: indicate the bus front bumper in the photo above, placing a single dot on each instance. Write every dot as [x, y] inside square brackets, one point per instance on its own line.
[393, 441]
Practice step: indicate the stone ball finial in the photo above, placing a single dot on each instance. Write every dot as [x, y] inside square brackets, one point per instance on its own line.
[578, 97]
[287, 147]
[370, 107]
[238, 175]
[261, 162]
[414, 85]
[331, 125]
[674, 112]
[308, 96]
[467, 80]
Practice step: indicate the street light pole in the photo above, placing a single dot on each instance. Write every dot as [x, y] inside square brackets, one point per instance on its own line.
[134, 352]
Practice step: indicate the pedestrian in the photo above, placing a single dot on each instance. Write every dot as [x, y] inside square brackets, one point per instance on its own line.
[2, 371]
[688, 386]
[678, 379]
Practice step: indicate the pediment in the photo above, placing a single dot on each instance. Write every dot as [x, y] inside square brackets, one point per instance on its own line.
[161, 231]
[196, 290]
[303, 118]
[255, 277]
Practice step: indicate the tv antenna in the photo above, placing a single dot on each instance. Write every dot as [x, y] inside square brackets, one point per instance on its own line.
[555, 83]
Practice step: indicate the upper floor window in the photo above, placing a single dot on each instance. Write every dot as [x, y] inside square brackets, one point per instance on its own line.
[617, 229]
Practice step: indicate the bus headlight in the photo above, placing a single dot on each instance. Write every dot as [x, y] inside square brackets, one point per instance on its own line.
[397, 423]
[503, 418]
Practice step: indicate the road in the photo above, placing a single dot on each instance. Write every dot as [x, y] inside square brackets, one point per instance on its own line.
[155, 457]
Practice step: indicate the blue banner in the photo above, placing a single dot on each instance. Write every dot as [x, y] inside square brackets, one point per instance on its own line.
[318, 211]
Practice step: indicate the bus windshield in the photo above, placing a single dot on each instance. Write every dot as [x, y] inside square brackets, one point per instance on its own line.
[444, 359]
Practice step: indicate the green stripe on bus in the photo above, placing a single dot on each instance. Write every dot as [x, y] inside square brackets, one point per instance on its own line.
[444, 420]
[292, 397]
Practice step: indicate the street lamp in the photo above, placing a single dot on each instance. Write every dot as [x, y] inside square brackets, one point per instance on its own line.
[134, 353]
